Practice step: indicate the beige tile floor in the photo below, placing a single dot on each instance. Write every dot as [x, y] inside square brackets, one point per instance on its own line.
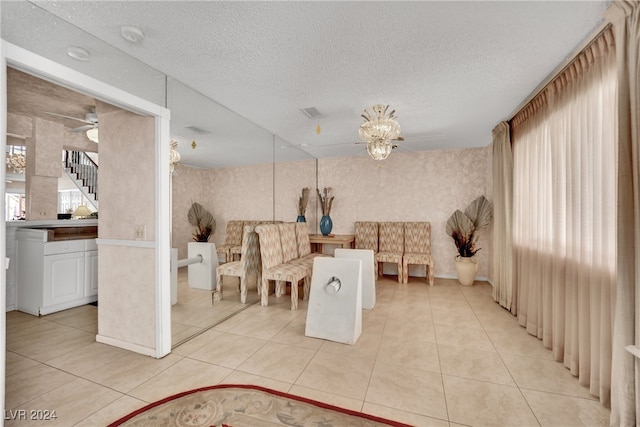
[440, 356]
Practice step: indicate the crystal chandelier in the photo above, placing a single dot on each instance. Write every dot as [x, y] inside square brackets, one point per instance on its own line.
[378, 130]
[16, 158]
[174, 155]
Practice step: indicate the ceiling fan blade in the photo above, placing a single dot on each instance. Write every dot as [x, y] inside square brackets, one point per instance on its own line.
[68, 117]
[83, 128]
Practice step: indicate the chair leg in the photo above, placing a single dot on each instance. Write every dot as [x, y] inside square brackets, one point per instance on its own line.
[294, 294]
[431, 274]
[307, 288]
[243, 289]
[280, 288]
[400, 272]
[264, 293]
[219, 283]
[405, 273]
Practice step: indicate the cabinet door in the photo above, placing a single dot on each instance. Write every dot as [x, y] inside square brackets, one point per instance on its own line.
[63, 278]
[91, 274]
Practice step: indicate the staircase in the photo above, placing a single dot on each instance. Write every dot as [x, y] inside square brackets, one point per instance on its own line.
[84, 172]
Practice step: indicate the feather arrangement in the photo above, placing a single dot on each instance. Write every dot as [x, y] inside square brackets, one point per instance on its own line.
[462, 226]
[204, 222]
[303, 201]
[326, 200]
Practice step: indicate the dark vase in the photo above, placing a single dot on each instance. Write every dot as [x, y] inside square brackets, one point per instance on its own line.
[326, 225]
[301, 218]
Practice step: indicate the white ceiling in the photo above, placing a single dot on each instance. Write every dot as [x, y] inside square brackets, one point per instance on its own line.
[451, 70]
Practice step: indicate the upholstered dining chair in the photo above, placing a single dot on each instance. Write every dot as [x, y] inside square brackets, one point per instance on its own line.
[248, 266]
[233, 240]
[390, 246]
[417, 249]
[367, 238]
[274, 266]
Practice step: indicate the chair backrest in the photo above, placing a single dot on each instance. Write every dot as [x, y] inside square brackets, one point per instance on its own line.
[288, 241]
[417, 237]
[234, 233]
[270, 246]
[250, 260]
[367, 235]
[302, 237]
[391, 238]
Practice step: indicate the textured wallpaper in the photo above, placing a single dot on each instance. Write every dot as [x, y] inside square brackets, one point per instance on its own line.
[424, 186]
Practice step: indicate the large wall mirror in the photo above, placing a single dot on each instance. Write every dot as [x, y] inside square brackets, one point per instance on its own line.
[234, 168]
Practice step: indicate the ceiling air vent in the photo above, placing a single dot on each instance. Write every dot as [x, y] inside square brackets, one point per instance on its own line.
[199, 131]
[312, 113]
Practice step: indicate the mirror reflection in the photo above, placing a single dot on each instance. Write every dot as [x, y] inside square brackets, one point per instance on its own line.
[237, 170]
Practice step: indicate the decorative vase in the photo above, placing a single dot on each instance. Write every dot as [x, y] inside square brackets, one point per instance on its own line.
[301, 218]
[326, 225]
[467, 267]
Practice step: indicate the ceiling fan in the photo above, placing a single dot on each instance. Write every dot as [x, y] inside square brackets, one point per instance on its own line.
[90, 121]
[90, 126]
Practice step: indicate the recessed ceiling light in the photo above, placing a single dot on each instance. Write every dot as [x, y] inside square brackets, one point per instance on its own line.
[132, 34]
[78, 53]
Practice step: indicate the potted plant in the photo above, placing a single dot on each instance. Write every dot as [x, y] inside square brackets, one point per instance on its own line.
[204, 222]
[302, 204]
[463, 227]
[326, 200]
[202, 275]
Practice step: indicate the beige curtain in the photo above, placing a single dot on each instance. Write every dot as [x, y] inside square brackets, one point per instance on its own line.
[502, 217]
[564, 215]
[625, 387]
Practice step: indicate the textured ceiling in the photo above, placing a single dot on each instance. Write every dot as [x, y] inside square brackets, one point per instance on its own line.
[452, 70]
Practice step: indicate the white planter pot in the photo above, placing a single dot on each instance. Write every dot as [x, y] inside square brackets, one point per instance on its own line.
[467, 267]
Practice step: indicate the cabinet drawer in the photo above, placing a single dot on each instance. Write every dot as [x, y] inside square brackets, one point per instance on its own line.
[64, 247]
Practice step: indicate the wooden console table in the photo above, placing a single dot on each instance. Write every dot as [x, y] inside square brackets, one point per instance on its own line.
[343, 240]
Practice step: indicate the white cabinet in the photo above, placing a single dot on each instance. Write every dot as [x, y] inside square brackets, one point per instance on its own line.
[55, 276]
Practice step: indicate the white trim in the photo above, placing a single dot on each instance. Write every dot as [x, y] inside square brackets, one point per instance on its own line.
[455, 277]
[128, 243]
[147, 351]
[22, 59]
[12, 307]
[163, 236]
[3, 223]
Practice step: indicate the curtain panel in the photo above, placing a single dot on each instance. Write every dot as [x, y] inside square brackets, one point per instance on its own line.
[564, 214]
[625, 387]
[502, 217]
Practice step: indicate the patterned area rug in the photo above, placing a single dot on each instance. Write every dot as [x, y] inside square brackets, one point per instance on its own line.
[231, 405]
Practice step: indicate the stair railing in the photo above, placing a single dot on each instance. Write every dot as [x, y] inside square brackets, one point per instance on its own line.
[79, 163]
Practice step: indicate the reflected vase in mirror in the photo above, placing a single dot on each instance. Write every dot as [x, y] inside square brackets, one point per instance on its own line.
[326, 225]
[301, 218]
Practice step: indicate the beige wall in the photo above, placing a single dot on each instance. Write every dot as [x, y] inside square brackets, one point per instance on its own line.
[126, 273]
[424, 186]
[244, 193]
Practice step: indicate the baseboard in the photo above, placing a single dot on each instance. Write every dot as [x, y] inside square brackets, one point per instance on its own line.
[453, 276]
[12, 307]
[126, 345]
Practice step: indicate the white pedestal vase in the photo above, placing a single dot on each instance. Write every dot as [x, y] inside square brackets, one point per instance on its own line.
[467, 267]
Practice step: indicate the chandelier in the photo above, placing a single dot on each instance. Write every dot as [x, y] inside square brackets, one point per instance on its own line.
[379, 130]
[16, 158]
[174, 155]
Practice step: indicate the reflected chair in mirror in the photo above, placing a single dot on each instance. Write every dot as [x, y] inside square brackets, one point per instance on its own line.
[390, 246]
[276, 263]
[248, 266]
[367, 238]
[233, 240]
[417, 249]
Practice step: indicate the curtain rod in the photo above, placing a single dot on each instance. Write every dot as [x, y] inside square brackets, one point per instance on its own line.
[584, 45]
